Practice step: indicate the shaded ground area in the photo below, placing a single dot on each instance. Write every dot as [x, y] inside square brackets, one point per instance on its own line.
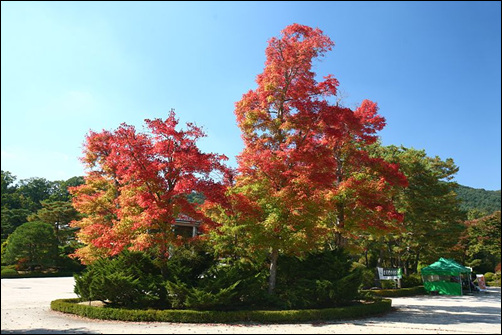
[25, 310]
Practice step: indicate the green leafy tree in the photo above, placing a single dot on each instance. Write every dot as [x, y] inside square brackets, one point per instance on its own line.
[22, 200]
[60, 188]
[58, 214]
[11, 219]
[8, 188]
[433, 220]
[480, 243]
[32, 245]
[137, 185]
[300, 157]
[33, 191]
[13, 214]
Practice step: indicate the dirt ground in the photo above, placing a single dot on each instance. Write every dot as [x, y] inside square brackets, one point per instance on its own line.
[26, 310]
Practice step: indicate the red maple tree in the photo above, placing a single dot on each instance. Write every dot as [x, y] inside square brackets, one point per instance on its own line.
[304, 157]
[137, 185]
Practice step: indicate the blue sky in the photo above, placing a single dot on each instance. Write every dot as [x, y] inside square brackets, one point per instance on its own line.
[70, 67]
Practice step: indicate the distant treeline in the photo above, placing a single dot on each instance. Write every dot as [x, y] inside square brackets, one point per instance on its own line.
[479, 199]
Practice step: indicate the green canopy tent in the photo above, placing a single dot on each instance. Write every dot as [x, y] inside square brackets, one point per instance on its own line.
[445, 277]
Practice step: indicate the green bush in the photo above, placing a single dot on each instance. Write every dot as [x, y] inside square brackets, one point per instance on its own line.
[251, 290]
[200, 298]
[8, 272]
[411, 280]
[318, 280]
[402, 292]
[495, 280]
[191, 316]
[3, 248]
[368, 278]
[347, 288]
[130, 279]
[189, 262]
[388, 284]
[65, 262]
[195, 279]
[495, 283]
[32, 246]
[489, 276]
[220, 287]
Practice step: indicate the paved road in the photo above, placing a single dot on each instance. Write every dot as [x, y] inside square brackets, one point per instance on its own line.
[25, 309]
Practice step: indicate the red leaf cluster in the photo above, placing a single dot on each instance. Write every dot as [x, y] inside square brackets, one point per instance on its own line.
[137, 184]
[306, 151]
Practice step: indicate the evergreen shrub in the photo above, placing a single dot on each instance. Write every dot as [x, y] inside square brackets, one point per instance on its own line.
[129, 279]
[195, 279]
[411, 280]
[318, 280]
[190, 316]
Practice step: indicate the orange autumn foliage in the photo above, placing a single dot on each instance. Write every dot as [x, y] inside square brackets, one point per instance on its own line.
[136, 186]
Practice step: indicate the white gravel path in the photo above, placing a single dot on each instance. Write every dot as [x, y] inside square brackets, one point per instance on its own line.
[26, 310]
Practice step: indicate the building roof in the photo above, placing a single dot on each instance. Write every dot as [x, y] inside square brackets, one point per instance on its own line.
[185, 220]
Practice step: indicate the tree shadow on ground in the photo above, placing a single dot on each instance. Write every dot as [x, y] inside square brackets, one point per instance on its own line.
[423, 312]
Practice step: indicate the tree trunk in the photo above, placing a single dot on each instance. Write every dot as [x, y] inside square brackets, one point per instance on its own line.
[163, 269]
[164, 251]
[273, 270]
[380, 259]
[415, 266]
[340, 240]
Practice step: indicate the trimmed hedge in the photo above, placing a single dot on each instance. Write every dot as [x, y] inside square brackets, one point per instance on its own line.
[400, 292]
[11, 274]
[190, 316]
[7, 273]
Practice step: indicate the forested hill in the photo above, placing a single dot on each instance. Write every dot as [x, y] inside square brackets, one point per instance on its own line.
[478, 198]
